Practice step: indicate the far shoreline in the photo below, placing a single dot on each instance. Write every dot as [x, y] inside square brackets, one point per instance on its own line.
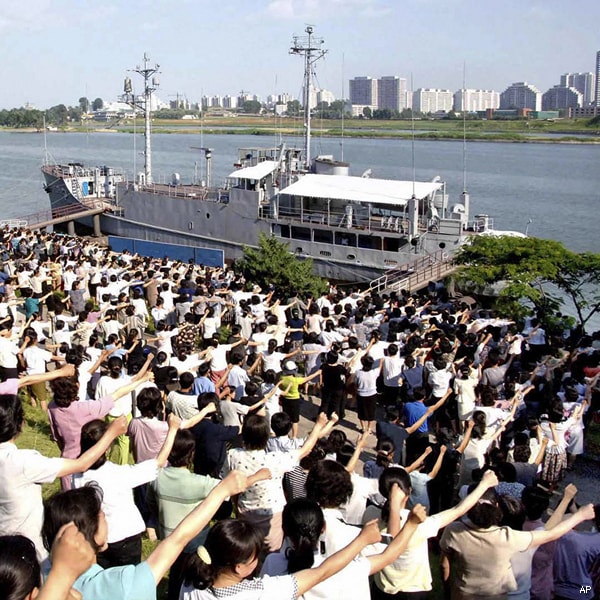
[508, 138]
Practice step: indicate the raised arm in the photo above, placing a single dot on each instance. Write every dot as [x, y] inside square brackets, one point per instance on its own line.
[400, 541]
[461, 447]
[416, 465]
[361, 444]
[161, 559]
[446, 517]
[312, 439]
[561, 508]
[308, 578]
[430, 410]
[438, 463]
[64, 371]
[174, 425]
[72, 555]
[585, 513]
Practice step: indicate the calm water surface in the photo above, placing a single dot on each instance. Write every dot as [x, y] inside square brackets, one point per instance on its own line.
[555, 185]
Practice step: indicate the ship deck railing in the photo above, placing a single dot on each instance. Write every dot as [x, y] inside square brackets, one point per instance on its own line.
[63, 171]
[191, 192]
[391, 224]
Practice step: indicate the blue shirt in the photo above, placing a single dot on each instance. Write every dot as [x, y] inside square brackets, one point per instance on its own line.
[202, 385]
[131, 582]
[413, 411]
[573, 558]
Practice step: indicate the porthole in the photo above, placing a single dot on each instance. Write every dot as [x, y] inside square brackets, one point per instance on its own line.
[351, 257]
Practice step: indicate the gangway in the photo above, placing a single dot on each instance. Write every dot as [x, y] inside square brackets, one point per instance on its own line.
[415, 275]
[63, 214]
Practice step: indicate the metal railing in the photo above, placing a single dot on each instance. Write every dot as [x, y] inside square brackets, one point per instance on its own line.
[426, 268]
[58, 213]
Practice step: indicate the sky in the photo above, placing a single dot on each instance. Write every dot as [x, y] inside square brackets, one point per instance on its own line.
[56, 51]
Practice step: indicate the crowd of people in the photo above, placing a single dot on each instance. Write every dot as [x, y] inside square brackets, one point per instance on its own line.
[175, 394]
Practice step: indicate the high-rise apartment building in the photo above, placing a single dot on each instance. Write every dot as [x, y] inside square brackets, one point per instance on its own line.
[521, 95]
[475, 100]
[583, 83]
[561, 97]
[597, 86]
[429, 100]
[325, 96]
[391, 93]
[363, 91]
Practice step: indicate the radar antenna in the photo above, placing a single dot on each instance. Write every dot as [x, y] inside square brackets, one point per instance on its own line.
[309, 47]
[151, 84]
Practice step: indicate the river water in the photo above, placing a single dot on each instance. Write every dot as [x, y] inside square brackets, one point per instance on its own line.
[557, 186]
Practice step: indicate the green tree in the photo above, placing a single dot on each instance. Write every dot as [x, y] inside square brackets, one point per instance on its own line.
[383, 113]
[84, 105]
[367, 113]
[294, 108]
[531, 270]
[98, 104]
[57, 115]
[251, 107]
[273, 263]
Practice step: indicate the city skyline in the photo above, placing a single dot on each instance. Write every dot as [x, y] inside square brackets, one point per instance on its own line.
[56, 51]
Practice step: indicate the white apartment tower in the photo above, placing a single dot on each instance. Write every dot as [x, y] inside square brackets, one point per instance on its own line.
[521, 95]
[597, 83]
[475, 100]
[429, 100]
[363, 91]
[325, 96]
[391, 93]
[583, 83]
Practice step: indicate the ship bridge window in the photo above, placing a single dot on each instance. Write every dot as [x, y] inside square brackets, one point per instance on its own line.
[391, 244]
[301, 233]
[285, 231]
[345, 239]
[369, 241]
[323, 236]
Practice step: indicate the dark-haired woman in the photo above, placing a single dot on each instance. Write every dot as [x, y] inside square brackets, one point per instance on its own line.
[34, 359]
[476, 554]
[67, 415]
[176, 492]
[20, 573]
[125, 523]
[554, 426]
[263, 503]
[477, 441]
[366, 392]
[22, 472]
[83, 507]
[410, 574]
[223, 566]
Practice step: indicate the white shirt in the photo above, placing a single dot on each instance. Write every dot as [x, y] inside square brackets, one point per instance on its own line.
[392, 369]
[36, 360]
[264, 497]
[260, 588]
[410, 572]
[107, 385]
[8, 353]
[117, 482]
[21, 474]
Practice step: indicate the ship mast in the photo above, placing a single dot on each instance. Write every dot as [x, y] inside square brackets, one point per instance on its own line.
[151, 83]
[310, 47]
